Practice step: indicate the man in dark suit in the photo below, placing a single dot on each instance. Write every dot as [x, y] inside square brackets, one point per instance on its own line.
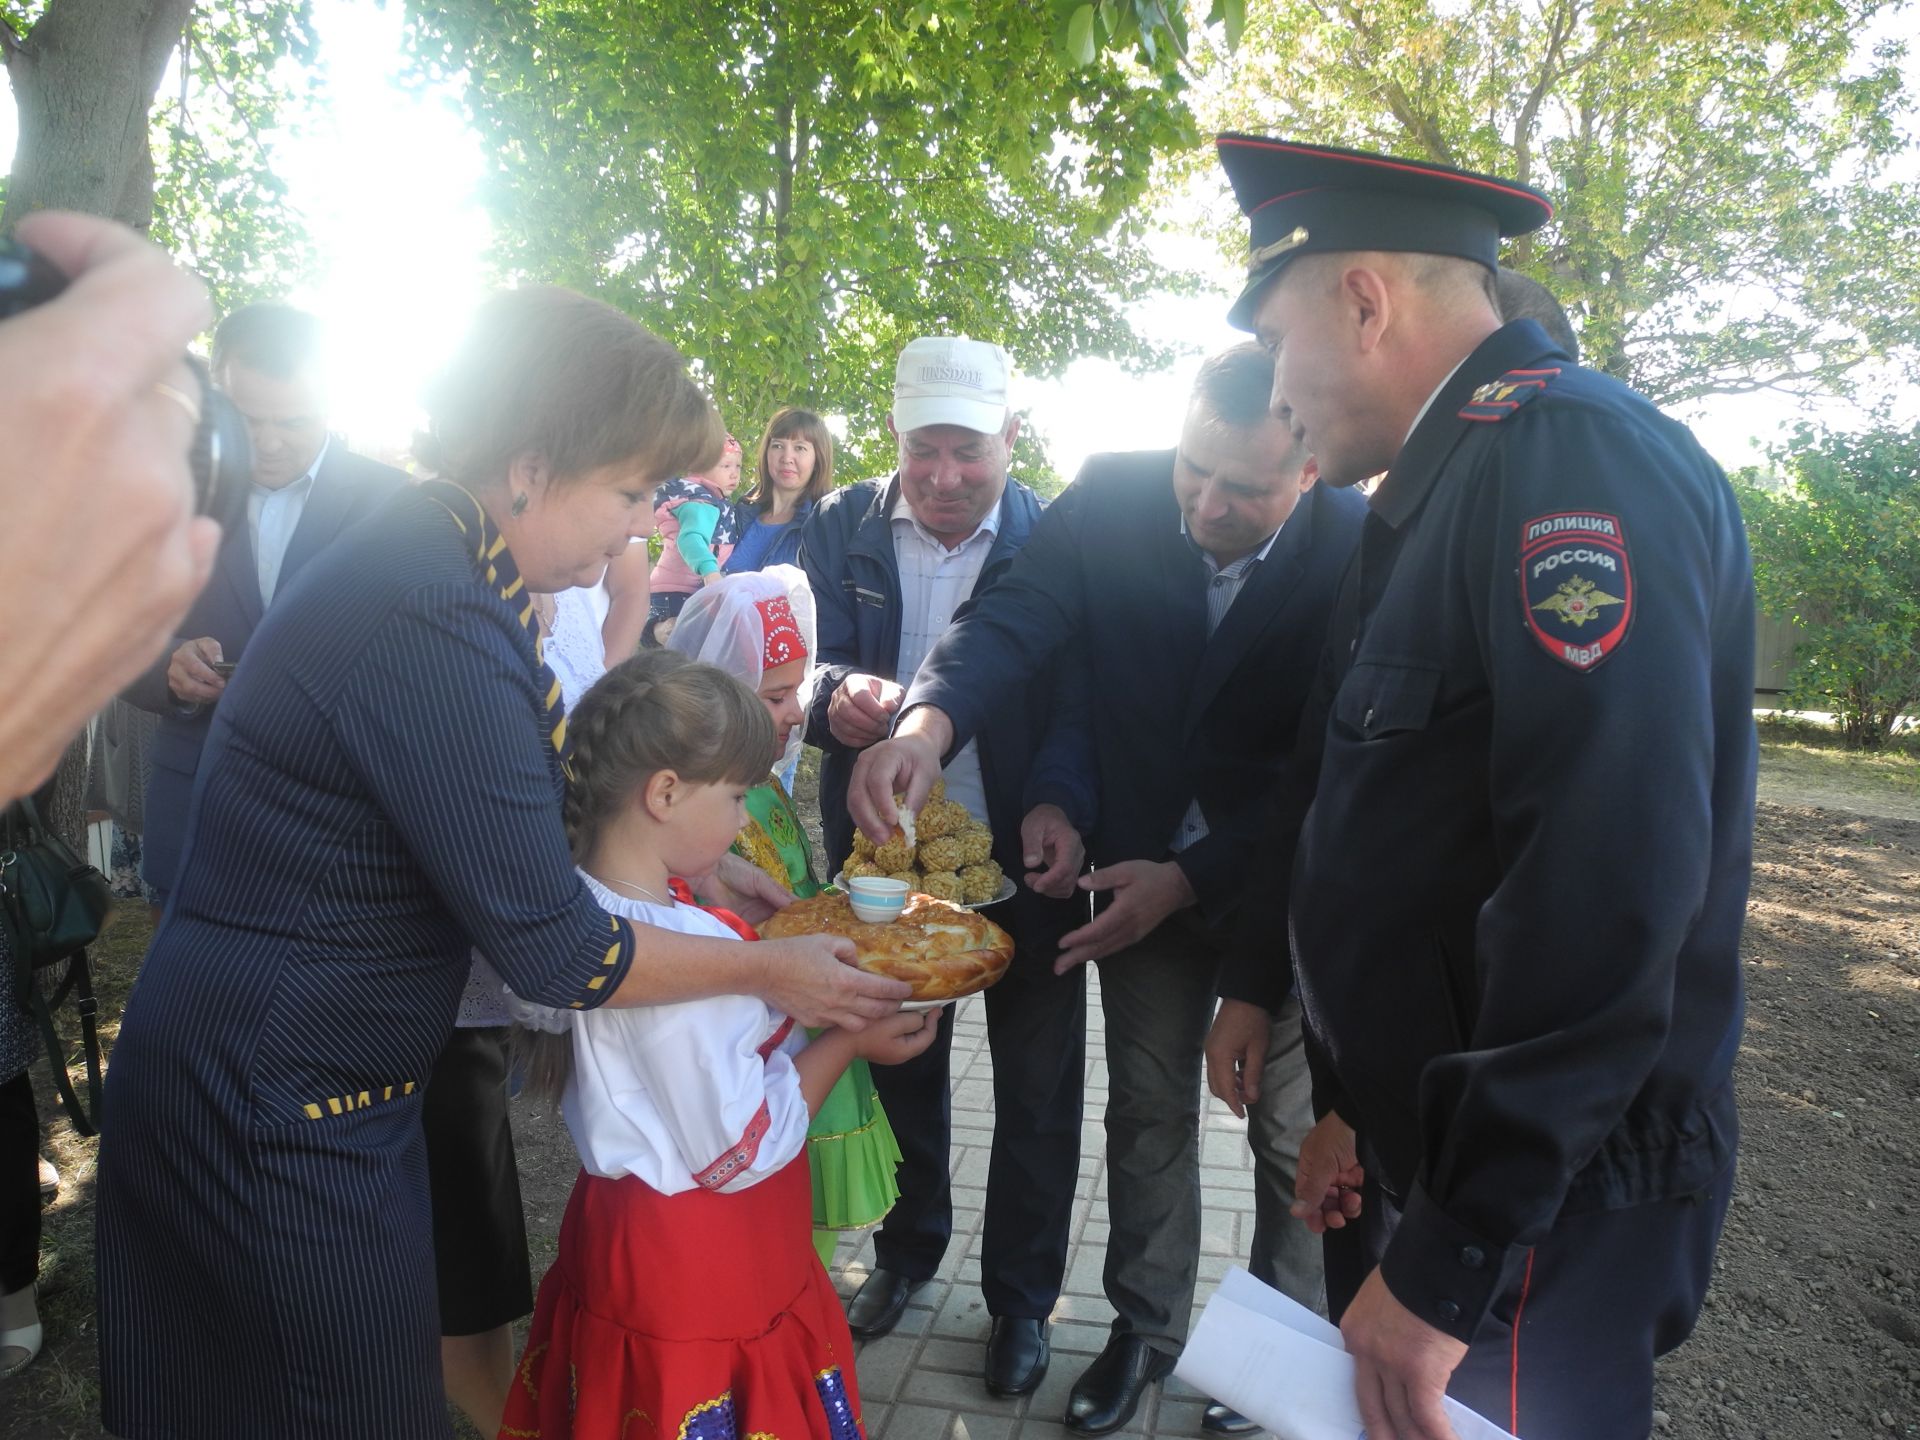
[308, 489]
[890, 561]
[1196, 584]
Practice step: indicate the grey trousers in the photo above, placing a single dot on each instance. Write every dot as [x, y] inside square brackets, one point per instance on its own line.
[1157, 998]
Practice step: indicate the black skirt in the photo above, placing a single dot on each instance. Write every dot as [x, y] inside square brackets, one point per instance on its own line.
[479, 1231]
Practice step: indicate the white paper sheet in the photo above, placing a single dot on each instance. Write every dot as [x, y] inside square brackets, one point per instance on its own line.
[1279, 1364]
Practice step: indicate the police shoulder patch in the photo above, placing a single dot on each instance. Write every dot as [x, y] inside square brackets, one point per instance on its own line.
[1576, 585]
[1500, 398]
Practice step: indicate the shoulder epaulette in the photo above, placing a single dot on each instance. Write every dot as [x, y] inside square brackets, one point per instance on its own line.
[1498, 399]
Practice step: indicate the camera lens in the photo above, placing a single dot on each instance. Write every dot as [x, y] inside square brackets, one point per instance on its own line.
[25, 279]
[221, 456]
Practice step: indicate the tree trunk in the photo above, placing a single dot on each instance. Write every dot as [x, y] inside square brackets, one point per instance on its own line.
[84, 79]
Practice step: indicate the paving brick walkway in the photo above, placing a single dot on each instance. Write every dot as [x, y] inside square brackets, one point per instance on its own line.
[922, 1382]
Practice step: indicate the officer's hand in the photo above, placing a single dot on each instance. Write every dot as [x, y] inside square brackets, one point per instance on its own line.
[1328, 1176]
[1048, 839]
[862, 709]
[1237, 1052]
[190, 675]
[1401, 1366]
[1144, 893]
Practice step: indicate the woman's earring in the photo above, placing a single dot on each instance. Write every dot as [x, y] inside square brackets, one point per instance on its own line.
[519, 504]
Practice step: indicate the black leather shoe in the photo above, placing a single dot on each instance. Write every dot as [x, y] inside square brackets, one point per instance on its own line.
[1017, 1355]
[1108, 1392]
[1218, 1419]
[877, 1306]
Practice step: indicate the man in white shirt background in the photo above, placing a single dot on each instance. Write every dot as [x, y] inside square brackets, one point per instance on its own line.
[308, 489]
[891, 562]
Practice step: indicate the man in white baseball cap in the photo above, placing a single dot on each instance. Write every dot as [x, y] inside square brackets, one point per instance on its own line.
[890, 561]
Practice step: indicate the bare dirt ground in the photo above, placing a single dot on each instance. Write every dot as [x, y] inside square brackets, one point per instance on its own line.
[1812, 1331]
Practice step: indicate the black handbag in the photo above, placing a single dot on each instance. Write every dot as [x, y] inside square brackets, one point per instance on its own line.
[52, 905]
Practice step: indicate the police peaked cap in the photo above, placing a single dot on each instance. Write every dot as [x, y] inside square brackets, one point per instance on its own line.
[1312, 199]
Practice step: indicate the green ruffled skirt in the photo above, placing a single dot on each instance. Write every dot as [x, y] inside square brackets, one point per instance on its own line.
[852, 1153]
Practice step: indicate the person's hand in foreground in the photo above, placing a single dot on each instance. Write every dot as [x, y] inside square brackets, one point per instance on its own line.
[1401, 1366]
[861, 710]
[1144, 892]
[1328, 1176]
[813, 979]
[1052, 851]
[190, 673]
[94, 484]
[1237, 1053]
[898, 1038]
[810, 977]
[907, 765]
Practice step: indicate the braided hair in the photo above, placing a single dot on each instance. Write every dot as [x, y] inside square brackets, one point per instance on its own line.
[657, 711]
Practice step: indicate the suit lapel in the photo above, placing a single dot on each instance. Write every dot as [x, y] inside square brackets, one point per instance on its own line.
[1183, 583]
[243, 572]
[1258, 605]
[323, 516]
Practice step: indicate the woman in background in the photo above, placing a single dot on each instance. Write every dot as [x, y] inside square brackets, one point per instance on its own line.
[794, 469]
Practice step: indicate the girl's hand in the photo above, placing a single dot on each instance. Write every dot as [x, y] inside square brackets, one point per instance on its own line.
[897, 1038]
[813, 979]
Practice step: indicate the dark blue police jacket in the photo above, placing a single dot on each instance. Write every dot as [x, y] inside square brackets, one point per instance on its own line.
[346, 488]
[1517, 899]
[1032, 750]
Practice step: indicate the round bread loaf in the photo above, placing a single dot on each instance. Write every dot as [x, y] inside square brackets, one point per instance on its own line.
[940, 949]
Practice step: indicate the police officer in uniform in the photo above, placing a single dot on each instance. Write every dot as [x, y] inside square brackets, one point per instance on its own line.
[1516, 900]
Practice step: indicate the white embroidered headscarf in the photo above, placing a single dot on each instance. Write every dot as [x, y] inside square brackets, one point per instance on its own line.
[738, 623]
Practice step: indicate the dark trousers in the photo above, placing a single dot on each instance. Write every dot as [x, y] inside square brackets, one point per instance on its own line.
[1158, 999]
[1567, 1348]
[19, 1185]
[1037, 1031]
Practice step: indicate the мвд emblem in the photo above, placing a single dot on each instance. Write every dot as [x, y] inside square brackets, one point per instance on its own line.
[1576, 585]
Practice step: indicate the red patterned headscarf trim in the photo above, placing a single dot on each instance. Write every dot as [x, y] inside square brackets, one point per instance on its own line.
[783, 639]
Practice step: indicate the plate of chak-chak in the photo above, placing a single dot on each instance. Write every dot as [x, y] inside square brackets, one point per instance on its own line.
[943, 950]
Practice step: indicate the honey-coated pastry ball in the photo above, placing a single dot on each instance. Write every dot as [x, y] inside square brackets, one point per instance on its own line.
[855, 866]
[980, 883]
[912, 877]
[862, 845]
[941, 854]
[976, 845]
[896, 854]
[942, 885]
[942, 817]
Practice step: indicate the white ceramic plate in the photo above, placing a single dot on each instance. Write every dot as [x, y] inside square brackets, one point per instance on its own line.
[1005, 892]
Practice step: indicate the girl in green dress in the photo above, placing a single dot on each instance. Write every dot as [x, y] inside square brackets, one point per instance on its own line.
[758, 627]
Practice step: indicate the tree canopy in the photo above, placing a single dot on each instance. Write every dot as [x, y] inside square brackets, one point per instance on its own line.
[791, 189]
[1726, 221]
[189, 166]
[1836, 551]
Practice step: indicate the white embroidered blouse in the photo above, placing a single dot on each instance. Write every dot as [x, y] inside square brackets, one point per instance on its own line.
[698, 1094]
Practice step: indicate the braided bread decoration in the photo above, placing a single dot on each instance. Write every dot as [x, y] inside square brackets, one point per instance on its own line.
[938, 948]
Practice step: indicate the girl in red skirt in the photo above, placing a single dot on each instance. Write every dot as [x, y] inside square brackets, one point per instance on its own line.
[687, 1302]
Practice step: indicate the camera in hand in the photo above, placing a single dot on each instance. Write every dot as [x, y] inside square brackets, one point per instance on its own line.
[221, 456]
